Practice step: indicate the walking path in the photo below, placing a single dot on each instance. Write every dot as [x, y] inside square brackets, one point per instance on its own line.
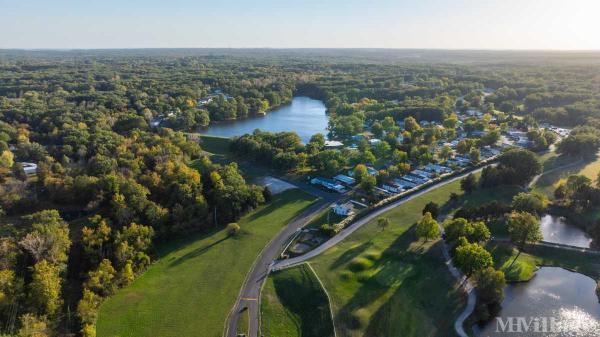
[536, 178]
[464, 282]
[584, 250]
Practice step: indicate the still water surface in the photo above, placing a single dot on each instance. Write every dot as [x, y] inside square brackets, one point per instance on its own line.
[304, 115]
[557, 293]
[556, 229]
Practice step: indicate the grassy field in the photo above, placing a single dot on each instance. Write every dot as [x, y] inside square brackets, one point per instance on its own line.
[215, 145]
[194, 284]
[523, 268]
[383, 283]
[294, 304]
[548, 182]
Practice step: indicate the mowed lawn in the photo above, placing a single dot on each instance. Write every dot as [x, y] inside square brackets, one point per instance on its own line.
[192, 287]
[524, 267]
[294, 304]
[560, 168]
[386, 283]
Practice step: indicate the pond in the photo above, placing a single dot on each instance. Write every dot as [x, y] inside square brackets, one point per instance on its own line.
[556, 229]
[304, 115]
[563, 303]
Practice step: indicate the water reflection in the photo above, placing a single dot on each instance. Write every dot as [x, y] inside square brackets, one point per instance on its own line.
[561, 299]
[556, 229]
[305, 116]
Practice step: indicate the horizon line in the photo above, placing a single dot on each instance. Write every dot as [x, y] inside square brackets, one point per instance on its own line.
[304, 48]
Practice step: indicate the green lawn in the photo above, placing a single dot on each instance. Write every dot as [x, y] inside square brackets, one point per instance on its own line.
[215, 145]
[191, 288]
[548, 182]
[523, 268]
[386, 283]
[294, 304]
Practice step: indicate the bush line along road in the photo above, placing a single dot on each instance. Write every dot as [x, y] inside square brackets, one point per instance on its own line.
[249, 297]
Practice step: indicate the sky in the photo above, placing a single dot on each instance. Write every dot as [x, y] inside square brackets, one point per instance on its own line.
[431, 24]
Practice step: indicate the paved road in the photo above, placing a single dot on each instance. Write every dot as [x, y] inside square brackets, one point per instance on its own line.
[249, 296]
[283, 264]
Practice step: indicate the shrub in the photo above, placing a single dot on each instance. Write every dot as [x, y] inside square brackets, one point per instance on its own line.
[233, 229]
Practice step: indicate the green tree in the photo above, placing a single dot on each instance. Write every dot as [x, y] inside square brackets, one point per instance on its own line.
[427, 228]
[360, 173]
[45, 288]
[530, 202]
[490, 285]
[471, 258]
[34, 326]
[383, 223]
[368, 183]
[102, 280]
[49, 238]
[468, 184]
[524, 228]
[432, 208]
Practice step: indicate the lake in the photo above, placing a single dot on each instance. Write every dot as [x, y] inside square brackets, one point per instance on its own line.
[556, 294]
[304, 115]
[556, 229]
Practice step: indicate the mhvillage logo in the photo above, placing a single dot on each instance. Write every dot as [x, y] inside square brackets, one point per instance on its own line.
[527, 324]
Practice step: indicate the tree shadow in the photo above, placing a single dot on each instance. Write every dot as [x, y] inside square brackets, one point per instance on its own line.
[280, 202]
[196, 252]
[350, 254]
[392, 269]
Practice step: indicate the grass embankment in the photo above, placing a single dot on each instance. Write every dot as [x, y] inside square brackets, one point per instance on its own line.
[193, 285]
[215, 145]
[294, 304]
[382, 283]
[559, 168]
[523, 269]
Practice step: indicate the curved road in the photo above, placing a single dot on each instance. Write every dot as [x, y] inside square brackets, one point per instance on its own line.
[249, 296]
[283, 264]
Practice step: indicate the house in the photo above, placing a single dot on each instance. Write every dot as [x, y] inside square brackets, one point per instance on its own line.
[392, 188]
[344, 179]
[328, 184]
[29, 168]
[414, 179]
[374, 141]
[345, 209]
[358, 138]
[404, 184]
[421, 174]
[372, 171]
[333, 144]
[438, 169]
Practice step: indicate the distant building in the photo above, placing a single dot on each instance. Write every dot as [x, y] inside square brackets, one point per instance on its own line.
[392, 188]
[345, 209]
[372, 171]
[344, 179]
[328, 183]
[29, 168]
[333, 144]
[438, 169]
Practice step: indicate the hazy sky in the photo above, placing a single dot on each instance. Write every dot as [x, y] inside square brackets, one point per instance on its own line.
[452, 24]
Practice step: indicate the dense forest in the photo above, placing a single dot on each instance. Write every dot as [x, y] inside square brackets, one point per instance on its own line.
[118, 167]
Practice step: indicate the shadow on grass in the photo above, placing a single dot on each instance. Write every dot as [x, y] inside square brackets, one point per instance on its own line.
[350, 254]
[301, 293]
[196, 252]
[392, 269]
